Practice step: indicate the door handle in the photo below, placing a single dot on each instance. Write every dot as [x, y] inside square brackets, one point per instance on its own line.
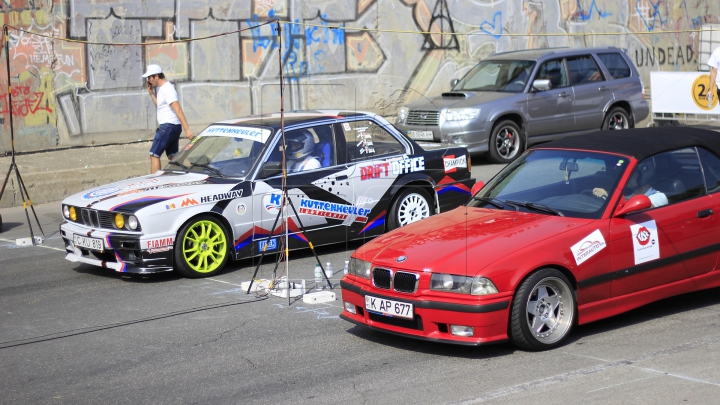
[341, 177]
[704, 213]
[603, 88]
[563, 94]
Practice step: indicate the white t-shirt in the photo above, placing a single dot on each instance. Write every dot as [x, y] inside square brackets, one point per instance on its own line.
[657, 198]
[166, 95]
[714, 61]
[308, 163]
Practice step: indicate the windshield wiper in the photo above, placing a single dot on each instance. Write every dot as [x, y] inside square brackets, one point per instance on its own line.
[495, 202]
[204, 166]
[172, 162]
[537, 207]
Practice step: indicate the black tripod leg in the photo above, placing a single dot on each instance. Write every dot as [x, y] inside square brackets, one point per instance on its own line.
[302, 229]
[22, 196]
[263, 252]
[22, 184]
[7, 176]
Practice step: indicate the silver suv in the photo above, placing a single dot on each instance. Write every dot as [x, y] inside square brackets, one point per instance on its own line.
[515, 99]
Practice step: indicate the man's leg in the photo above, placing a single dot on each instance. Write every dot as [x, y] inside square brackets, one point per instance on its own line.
[160, 143]
[154, 164]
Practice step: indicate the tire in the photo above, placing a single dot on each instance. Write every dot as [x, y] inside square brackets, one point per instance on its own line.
[543, 311]
[201, 247]
[616, 119]
[410, 205]
[506, 142]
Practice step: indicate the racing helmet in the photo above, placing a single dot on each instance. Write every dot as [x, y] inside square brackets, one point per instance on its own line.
[646, 170]
[299, 144]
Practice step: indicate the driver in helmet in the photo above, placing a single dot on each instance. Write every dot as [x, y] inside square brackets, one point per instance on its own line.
[299, 147]
[639, 183]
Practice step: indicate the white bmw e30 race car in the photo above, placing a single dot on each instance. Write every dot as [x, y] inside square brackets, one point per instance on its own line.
[219, 198]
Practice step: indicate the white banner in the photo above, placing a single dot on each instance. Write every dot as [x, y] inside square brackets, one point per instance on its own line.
[681, 92]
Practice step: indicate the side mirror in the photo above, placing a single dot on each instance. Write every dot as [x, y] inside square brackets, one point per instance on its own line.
[476, 187]
[634, 204]
[270, 169]
[541, 85]
[453, 82]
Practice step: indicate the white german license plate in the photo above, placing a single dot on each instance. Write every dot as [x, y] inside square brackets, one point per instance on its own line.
[389, 307]
[424, 135]
[88, 243]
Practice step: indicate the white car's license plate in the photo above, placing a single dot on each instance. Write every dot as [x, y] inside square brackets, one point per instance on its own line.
[424, 135]
[389, 307]
[88, 243]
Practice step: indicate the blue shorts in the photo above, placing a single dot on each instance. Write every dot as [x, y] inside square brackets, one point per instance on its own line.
[166, 140]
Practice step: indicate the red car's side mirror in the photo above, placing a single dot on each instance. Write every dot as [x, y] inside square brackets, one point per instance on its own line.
[476, 187]
[634, 204]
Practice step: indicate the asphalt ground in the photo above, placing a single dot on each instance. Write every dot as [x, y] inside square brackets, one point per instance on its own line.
[74, 334]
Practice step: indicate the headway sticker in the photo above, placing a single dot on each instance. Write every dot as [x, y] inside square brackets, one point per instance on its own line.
[453, 163]
[588, 247]
[646, 243]
[230, 195]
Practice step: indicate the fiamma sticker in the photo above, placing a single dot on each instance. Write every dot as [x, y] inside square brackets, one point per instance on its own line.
[230, 195]
[159, 245]
[588, 247]
[646, 244]
[453, 163]
[332, 210]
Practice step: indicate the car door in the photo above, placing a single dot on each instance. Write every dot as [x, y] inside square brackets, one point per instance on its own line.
[374, 152]
[592, 92]
[320, 197]
[668, 243]
[551, 111]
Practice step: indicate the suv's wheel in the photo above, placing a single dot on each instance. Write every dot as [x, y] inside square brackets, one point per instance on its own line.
[506, 142]
[616, 119]
[201, 247]
[410, 205]
[543, 311]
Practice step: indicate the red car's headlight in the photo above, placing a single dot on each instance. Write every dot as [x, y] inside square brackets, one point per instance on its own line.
[462, 284]
[359, 268]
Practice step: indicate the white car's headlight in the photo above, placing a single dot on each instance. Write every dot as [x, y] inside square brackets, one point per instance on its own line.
[359, 267]
[462, 284]
[402, 114]
[66, 211]
[132, 222]
[461, 114]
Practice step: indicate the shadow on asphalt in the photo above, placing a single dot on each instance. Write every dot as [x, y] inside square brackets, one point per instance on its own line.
[6, 226]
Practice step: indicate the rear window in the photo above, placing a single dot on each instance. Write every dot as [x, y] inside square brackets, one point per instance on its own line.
[615, 64]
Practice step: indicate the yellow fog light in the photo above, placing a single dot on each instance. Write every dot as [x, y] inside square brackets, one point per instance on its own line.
[119, 221]
[73, 215]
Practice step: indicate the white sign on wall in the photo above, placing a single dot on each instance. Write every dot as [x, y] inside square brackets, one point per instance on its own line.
[681, 92]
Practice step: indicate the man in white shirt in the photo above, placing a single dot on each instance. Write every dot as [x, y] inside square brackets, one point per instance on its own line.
[298, 151]
[170, 116]
[714, 63]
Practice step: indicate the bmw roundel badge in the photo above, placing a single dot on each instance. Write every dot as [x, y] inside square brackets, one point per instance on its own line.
[401, 259]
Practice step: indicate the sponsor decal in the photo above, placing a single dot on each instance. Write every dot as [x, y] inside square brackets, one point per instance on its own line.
[188, 202]
[365, 145]
[346, 126]
[241, 209]
[101, 192]
[588, 247]
[360, 202]
[407, 165]
[188, 146]
[646, 245]
[160, 249]
[230, 195]
[234, 131]
[170, 207]
[453, 163]
[333, 210]
[267, 244]
[160, 243]
[375, 171]
[272, 202]
[132, 188]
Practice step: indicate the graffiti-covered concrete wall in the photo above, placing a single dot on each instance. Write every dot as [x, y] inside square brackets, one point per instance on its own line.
[356, 54]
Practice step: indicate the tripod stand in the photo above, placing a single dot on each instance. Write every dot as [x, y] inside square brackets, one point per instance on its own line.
[13, 164]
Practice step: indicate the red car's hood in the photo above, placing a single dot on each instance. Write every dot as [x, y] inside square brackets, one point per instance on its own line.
[462, 238]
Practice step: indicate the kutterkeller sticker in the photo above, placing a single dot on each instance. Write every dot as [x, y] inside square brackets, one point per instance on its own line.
[646, 244]
[588, 247]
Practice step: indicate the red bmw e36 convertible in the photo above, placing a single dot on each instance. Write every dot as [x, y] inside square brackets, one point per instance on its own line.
[573, 231]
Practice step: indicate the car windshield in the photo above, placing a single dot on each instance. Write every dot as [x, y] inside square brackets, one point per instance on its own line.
[497, 75]
[222, 151]
[555, 182]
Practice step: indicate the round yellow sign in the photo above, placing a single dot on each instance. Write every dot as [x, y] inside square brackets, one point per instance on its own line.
[700, 88]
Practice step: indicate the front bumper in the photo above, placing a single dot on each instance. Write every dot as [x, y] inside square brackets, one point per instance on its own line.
[432, 319]
[471, 134]
[121, 252]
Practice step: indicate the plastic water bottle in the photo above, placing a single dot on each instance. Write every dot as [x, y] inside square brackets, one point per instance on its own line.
[318, 277]
[345, 269]
[328, 270]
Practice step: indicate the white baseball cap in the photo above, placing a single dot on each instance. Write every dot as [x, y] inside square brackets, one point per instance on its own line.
[152, 70]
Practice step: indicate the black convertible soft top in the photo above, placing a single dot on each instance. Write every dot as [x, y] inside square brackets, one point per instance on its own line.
[641, 142]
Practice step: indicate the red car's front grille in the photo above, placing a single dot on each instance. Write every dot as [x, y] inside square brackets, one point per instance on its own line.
[400, 282]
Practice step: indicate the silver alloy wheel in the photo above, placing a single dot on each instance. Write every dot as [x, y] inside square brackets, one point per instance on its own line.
[550, 310]
[507, 143]
[413, 207]
[618, 121]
